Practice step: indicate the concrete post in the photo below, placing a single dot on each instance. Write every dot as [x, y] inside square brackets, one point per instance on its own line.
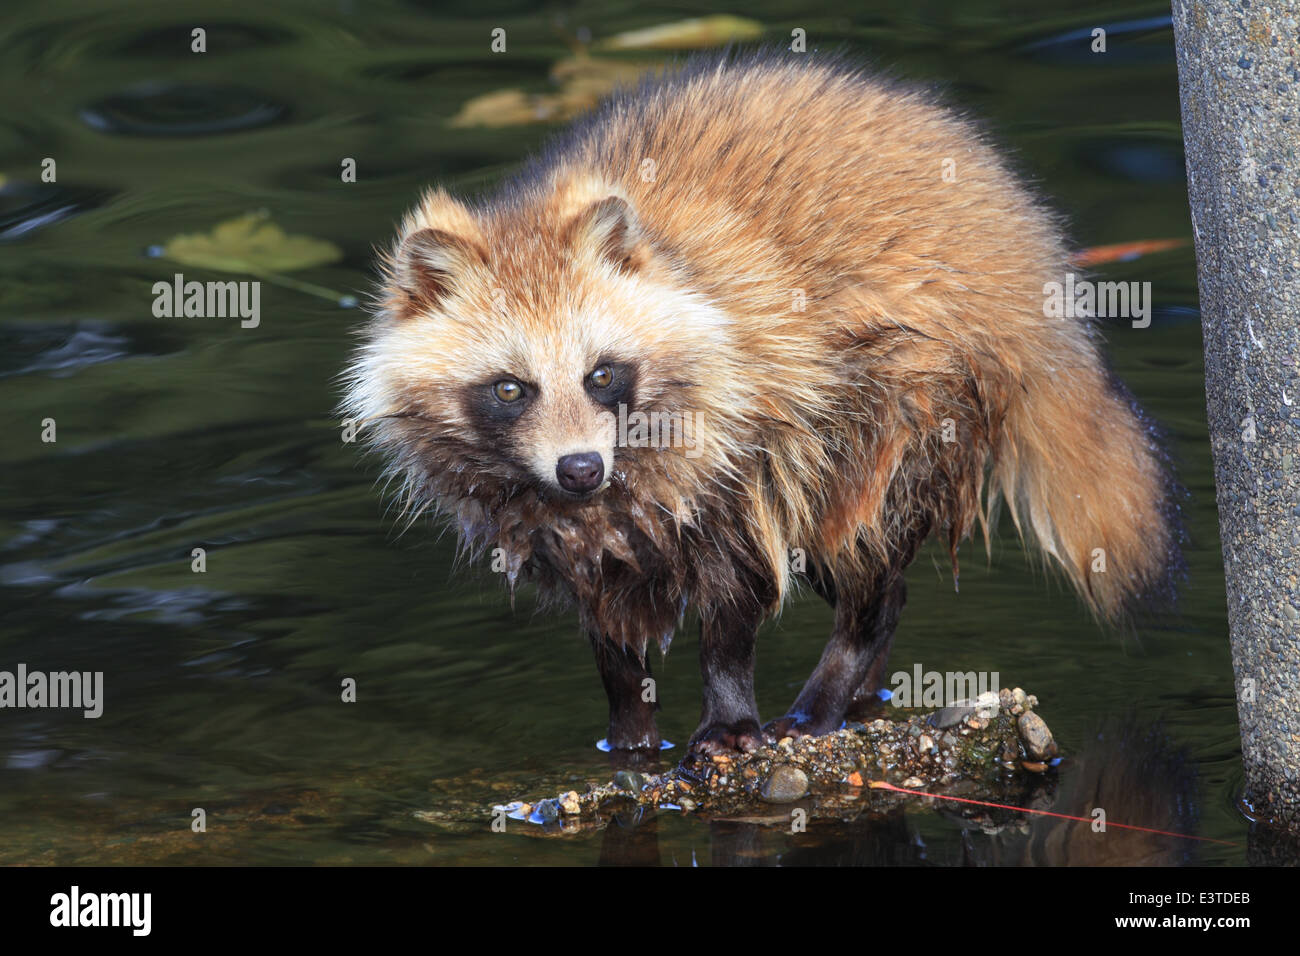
[1240, 91]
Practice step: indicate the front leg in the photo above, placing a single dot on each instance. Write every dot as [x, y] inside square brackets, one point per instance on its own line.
[729, 719]
[623, 671]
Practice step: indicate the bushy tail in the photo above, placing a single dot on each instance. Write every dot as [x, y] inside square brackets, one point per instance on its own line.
[1085, 477]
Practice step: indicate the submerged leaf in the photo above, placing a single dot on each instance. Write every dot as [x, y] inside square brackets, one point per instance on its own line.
[583, 80]
[690, 34]
[598, 74]
[250, 243]
[517, 108]
[1124, 251]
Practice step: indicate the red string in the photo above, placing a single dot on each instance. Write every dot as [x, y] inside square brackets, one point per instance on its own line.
[881, 785]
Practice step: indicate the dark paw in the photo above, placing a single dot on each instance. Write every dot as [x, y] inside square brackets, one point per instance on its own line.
[796, 726]
[637, 733]
[867, 706]
[644, 744]
[742, 737]
[775, 730]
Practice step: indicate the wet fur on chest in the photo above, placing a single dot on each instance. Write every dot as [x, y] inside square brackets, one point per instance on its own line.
[631, 569]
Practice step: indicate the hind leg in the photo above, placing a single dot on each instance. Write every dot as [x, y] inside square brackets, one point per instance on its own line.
[853, 663]
[866, 699]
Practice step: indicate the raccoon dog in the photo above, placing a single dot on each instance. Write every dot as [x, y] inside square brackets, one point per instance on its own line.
[758, 307]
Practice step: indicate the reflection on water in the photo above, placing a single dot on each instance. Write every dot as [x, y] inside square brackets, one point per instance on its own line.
[223, 688]
[26, 208]
[160, 109]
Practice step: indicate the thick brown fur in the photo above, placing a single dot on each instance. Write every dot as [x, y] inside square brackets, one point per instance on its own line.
[771, 245]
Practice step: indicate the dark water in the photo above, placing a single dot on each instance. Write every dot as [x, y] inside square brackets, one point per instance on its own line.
[223, 688]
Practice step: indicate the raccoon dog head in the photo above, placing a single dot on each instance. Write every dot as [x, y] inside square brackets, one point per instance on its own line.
[516, 341]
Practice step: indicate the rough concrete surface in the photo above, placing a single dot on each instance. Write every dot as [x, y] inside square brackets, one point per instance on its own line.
[1240, 91]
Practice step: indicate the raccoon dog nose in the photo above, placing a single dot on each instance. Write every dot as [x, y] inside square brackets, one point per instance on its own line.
[580, 473]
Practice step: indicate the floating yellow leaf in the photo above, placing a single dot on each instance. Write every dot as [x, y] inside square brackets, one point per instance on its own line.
[250, 243]
[686, 34]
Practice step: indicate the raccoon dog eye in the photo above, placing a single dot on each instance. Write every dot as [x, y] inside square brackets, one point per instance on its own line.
[611, 384]
[508, 390]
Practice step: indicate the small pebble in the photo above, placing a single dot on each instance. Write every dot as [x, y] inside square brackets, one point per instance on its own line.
[950, 716]
[786, 785]
[1036, 737]
[629, 780]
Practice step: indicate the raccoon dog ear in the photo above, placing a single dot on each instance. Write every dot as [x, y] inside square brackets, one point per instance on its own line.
[607, 229]
[430, 262]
